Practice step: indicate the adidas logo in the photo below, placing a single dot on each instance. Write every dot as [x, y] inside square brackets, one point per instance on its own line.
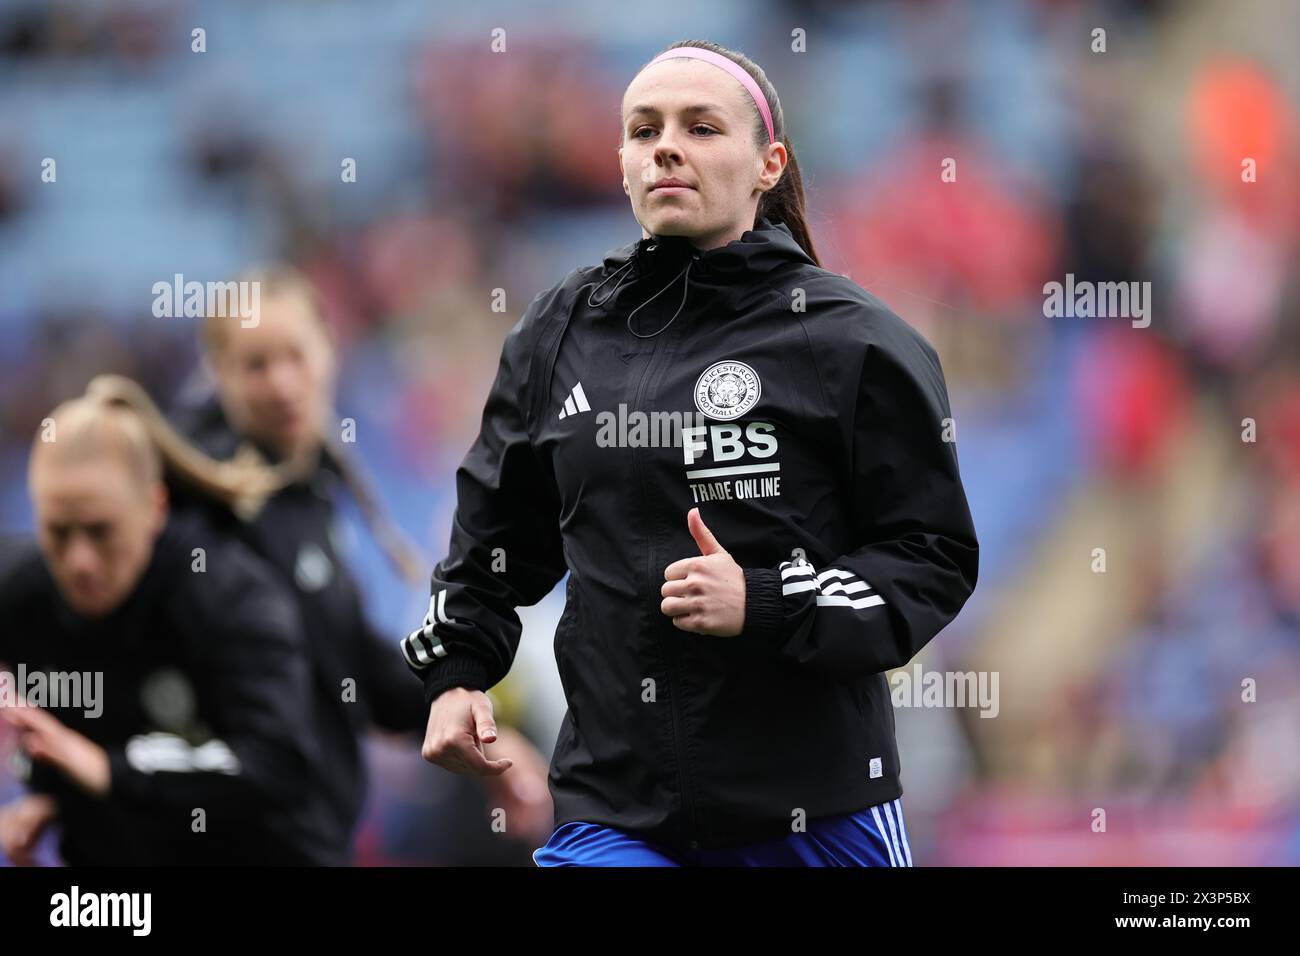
[575, 402]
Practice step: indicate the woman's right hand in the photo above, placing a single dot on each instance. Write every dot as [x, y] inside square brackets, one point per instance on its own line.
[21, 824]
[460, 724]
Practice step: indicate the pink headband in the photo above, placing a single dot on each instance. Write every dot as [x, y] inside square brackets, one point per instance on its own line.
[732, 67]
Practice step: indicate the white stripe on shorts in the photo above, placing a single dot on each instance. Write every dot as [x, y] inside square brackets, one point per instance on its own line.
[880, 828]
[902, 830]
[893, 835]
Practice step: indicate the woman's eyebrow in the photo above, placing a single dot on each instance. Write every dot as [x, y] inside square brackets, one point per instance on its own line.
[697, 108]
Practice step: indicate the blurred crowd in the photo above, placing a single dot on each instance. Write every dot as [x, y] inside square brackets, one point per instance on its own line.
[1136, 490]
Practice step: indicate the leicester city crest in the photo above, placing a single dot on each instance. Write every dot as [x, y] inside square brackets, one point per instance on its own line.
[726, 390]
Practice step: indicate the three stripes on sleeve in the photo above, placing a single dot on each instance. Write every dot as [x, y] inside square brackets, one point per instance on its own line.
[420, 644]
[834, 587]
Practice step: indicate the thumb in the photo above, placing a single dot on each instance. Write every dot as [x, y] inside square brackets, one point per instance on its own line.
[708, 544]
[485, 725]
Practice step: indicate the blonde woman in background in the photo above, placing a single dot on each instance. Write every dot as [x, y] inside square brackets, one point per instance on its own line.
[184, 652]
[274, 401]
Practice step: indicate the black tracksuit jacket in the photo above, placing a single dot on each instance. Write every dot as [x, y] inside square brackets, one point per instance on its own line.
[204, 706]
[294, 533]
[817, 443]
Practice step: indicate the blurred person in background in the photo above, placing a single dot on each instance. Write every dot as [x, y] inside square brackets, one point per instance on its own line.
[177, 735]
[716, 702]
[274, 401]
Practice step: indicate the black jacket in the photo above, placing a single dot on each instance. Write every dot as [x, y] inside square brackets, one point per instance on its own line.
[203, 706]
[294, 532]
[817, 446]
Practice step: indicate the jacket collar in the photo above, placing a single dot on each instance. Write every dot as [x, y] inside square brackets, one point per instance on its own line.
[717, 277]
[767, 246]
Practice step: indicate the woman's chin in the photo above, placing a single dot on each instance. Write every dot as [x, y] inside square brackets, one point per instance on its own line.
[90, 604]
[675, 222]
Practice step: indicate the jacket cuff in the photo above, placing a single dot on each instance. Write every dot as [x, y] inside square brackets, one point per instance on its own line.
[457, 670]
[764, 607]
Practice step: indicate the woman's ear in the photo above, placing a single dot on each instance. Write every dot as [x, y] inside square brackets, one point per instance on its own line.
[778, 157]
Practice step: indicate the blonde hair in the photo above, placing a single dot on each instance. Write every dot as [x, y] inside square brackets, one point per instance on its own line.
[116, 417]
[279, 279]
[274, 280]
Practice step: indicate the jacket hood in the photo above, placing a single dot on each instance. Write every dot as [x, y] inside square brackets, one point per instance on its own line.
[717, 276]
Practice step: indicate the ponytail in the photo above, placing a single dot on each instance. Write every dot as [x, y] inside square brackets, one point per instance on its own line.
[401, 554]
[243, 483]
[246, 481]
[784, 202]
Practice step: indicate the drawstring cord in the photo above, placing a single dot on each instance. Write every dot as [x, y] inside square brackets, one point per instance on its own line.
[685, 289]
[591, 300]
[613, 291]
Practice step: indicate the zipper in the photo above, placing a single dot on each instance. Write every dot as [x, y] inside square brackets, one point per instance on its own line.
[688, 799]
[678, 720]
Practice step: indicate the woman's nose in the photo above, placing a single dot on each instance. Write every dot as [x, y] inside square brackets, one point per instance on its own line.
[667, 148]
[285, 381]
[81, 556]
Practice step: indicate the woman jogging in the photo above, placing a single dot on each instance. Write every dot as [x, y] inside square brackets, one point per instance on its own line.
[158, 680]
[744, 461]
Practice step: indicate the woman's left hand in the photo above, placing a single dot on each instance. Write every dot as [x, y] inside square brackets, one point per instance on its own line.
[705, 594]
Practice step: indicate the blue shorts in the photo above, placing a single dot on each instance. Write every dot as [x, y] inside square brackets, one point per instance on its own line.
[871, 837]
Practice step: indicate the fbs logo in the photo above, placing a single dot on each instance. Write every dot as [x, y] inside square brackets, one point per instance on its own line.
[575, 402]
[727, 390]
